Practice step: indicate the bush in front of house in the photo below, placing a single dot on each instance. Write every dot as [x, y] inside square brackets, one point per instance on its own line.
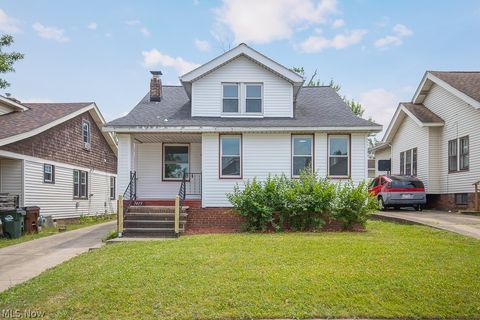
[301, 204]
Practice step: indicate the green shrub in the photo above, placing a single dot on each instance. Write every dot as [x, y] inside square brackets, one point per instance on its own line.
[353, 204]
[252, 204]
[301, 204]
[309, 201]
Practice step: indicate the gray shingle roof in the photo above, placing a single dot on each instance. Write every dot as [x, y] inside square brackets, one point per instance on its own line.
[422, 113]
[467, 82]
[315, 107]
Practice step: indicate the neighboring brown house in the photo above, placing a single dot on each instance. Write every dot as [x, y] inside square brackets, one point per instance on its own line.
[55, 156]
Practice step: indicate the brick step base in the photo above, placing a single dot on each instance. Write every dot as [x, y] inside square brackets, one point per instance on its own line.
[146, 233]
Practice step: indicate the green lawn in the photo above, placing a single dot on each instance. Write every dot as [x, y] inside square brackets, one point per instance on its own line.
[85, 222]
[389, 271]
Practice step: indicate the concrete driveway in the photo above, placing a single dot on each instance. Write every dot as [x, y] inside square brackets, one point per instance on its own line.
[466, 225]
[21, 262]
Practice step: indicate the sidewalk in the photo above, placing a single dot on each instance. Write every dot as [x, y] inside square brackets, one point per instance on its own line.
[466, 225]
[21, 262]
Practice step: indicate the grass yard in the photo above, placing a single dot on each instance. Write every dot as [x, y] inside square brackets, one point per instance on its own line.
[84, 222]
[390, 271]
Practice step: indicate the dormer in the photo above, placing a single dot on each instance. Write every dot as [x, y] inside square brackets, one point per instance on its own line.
[8, 105]
[242, 83]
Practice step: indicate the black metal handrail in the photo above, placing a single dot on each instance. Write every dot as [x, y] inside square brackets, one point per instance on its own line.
[130, 192]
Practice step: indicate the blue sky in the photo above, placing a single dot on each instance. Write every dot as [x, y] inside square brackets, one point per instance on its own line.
[102, 50]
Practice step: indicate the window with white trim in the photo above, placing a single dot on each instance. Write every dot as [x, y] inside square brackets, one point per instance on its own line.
[230, 156]
[302, 154]
[86, 134]
[230, 98]
[175, 161]
[80, 184]
[253, 100]
[339, 156]
[48, 173]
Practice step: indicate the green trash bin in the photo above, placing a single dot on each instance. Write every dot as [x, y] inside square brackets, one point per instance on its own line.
[13, 223]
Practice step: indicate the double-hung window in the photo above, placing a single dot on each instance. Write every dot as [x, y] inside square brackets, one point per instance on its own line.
[253, 101]
[112, 187]
[230, 156]
[338, 156]
[86, 134]
[458, 154]
[408, 162]
[175, 161]
[48, 173]
[231, 98]
[302, 155]
[80, 184]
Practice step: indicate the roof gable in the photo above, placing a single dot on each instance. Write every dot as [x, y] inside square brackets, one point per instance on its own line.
[420, 114]
[464, 85]
[242, 50]
[10, 105]
[40, 117]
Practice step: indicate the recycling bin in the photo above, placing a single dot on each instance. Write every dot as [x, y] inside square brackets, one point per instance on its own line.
[13, 223]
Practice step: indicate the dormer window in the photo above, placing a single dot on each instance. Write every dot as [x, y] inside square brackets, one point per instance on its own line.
[253, 103]
[230, 98]
[242, 99]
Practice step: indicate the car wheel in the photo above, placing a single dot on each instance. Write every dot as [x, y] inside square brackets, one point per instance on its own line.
[381, 204]
[419, 207]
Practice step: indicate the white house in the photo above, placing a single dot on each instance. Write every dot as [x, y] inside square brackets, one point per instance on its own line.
[239, 116]
[55, 156]
[436, 137]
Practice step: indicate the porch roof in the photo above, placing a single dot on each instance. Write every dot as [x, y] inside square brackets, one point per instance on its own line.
[316, 107]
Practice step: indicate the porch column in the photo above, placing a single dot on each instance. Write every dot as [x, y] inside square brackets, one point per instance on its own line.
[125, 161]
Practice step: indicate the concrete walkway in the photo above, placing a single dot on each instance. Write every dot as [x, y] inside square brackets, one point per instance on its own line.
[21, 262]
[466, 225]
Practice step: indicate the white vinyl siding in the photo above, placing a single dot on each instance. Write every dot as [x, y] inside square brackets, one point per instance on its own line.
[269, 153]
[148, 165]
[57, 199]
[410, 135]
[5, 110]
[207, 91]
[461, 120]
[11, 177]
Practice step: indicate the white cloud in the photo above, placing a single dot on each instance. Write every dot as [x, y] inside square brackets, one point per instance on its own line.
[137, 24]
[92, 26]
[268, 20]
[145, 32]
[380, 105]
[51, 33]
[318, 43]
[338, 23]
[154, 58]
[202, 45]
[400, 31]
[8, 24]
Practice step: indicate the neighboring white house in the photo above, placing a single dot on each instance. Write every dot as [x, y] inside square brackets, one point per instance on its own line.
[436, 137]
[56, 157]
[239, 116]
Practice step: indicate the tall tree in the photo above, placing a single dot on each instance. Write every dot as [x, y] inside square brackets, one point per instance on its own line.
[7, 59]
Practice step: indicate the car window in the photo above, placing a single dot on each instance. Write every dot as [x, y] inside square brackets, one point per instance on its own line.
[405, 184]
[374, 183]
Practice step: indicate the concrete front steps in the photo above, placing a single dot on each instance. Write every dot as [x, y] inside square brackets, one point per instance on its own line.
[152, 221]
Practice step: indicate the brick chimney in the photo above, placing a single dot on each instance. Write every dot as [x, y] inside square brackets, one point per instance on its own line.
[156, 86]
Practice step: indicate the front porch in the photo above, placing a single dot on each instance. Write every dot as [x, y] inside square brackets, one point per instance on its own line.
[159, 162]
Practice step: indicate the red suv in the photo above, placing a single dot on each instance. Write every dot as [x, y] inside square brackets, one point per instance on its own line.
[399, 191]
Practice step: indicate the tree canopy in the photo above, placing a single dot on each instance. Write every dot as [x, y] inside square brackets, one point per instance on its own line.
[7, 59]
